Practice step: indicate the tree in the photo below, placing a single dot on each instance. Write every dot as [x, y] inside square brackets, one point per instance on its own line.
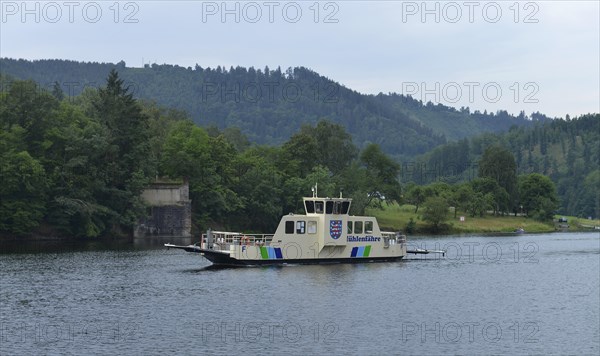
[538, 196]
[435, 212]
[208, 164]
[57, 91]
[335, 149]
[32, 109]
[125, 166]
[415, 196]
[76, 179]
[590, 202]
[382, 174]
[260, 190]
[354, 181]
[499, 197]
[235, 136]
[499, 164]
[462, 196]
[480, 203]
[301, 153]
[22, 192]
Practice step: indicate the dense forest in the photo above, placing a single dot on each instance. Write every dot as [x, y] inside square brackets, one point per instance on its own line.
[269, 106]
[567, 151]
[77, 167]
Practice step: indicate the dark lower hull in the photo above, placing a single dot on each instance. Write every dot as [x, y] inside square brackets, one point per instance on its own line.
[225, 260]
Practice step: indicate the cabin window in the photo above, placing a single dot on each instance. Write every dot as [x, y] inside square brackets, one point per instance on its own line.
[310, 206]
[329, 207]
[300, 226]
[312, 227]
[345, 207]
[337, 207]
[349, 227]
[319, 207]
[289, 227]
[368, 227]
[358, 227]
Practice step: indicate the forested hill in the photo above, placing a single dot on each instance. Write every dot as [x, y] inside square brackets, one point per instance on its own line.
[270, 105]
[565, 150]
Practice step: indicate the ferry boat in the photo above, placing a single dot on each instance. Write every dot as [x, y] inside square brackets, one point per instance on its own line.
[325, 233]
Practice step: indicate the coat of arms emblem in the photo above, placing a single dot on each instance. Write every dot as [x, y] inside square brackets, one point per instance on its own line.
[335, 229]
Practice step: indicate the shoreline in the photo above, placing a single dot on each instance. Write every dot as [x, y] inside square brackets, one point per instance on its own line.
[397, 218]
[391, 218]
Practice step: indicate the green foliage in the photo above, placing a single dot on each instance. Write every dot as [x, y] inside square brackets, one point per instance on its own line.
[334, 145]
[462, 197]
[566, 151]
[416, 195]
[185, 151]
[410, 226]
[382, 173]
[435, 212]
[23, 188]
[480, 203]
[78, 144]
[260, 187]
[498, 164]
[125, 165]
[88, 160]
[538, 196]
[207, 163]
[499, 199]
[325, 144]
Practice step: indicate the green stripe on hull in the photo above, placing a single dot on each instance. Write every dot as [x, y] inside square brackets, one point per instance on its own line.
[264, 253]
[367, 251]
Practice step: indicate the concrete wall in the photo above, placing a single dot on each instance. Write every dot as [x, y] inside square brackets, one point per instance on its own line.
[166, 194]
[170, 211]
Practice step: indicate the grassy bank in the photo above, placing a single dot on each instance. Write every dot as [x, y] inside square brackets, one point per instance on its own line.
[395, 217]
[579, 224]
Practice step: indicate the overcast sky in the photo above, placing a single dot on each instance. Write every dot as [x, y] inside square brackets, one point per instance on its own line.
[533, 56]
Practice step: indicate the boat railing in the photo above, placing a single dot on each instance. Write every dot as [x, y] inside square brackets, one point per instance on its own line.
[400, 238]
[224, 240]
[392, 238]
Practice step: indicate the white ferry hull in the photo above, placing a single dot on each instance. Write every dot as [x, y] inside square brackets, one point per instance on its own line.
[224, 259]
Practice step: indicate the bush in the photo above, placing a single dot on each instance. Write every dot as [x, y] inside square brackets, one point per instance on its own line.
[436, 213]
[411, 226]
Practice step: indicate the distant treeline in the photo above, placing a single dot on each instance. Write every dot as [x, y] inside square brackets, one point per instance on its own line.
[269, 106]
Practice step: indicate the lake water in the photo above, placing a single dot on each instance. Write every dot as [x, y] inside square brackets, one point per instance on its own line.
[523, 294]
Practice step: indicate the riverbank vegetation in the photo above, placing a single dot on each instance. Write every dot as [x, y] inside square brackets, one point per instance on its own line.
[403, 218]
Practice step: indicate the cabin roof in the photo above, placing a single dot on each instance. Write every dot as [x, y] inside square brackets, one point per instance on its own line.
[327, 198]
[335, 206]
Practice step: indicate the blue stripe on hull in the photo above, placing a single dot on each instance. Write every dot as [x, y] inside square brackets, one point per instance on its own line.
[361, 251]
